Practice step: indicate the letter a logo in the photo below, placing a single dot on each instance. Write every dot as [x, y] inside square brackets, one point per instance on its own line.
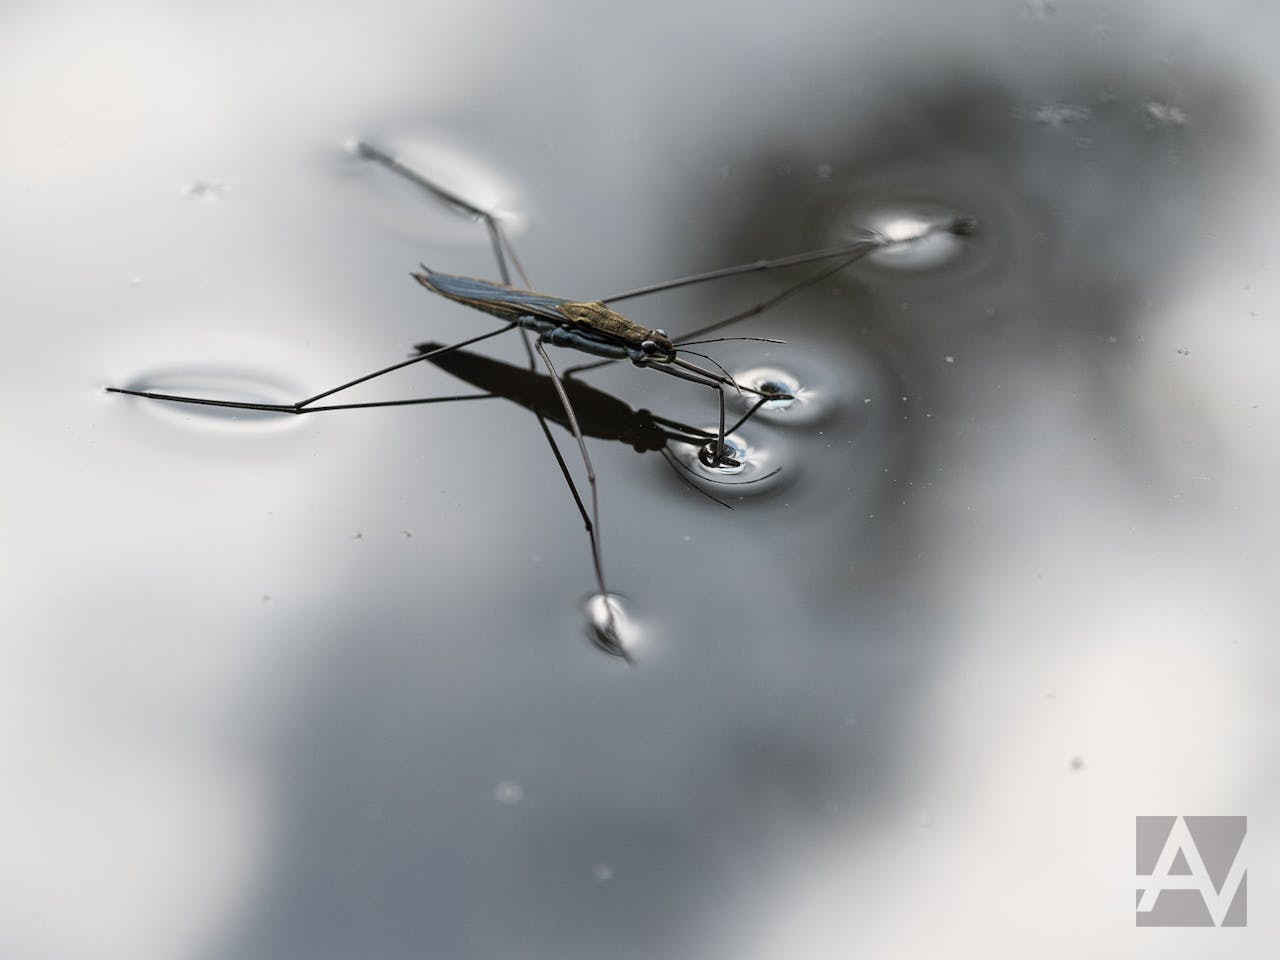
[1190, 872]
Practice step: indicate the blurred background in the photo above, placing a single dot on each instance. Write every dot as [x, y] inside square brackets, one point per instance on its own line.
[320, 687]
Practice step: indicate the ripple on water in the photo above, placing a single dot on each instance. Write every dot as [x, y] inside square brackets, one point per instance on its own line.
[801, 399]
[757, 468]
[610, 627]
[214, 384]
[919, 238]
[205, 191]
[918, 208]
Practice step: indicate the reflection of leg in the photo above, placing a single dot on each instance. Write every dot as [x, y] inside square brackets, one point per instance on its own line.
[305, 406]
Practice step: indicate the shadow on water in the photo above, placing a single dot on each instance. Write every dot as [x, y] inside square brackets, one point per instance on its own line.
[393, 843]
[599, 414]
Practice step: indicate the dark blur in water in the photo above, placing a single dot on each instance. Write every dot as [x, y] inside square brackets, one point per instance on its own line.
[341, 659]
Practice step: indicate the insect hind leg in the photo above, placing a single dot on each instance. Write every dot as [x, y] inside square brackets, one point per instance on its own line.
[502, 249]
[309, 405]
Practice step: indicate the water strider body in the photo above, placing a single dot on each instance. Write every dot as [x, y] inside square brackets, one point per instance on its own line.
[587, 326]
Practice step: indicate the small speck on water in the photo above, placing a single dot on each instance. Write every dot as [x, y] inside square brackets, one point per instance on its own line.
[206, 191]
[1055, 114]
[1037, 9]
[508, 792]
[949, 358]
[357, 535]
[1161, 114]
[602, 872]
[824, 171]
[1077, 763]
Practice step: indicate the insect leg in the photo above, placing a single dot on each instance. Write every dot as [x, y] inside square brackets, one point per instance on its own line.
[856, 250]
[581, 367]
[684, 427]
[306, 406]
[771, 302]
[592, 521]
[859, 251]
[502, 248]
[293, 408]
[707, 380]
[960, 226]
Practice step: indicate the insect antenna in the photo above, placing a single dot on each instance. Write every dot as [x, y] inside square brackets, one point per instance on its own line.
[723, 339]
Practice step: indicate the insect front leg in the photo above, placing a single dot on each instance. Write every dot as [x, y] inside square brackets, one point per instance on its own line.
[710, 458]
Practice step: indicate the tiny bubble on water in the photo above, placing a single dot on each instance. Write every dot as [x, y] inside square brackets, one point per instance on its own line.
[1055, 114]
[508, 792]
[205, 191]
[1037, 9]
[1160, 114]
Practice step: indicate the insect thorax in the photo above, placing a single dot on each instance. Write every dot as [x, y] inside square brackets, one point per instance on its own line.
[594, 315]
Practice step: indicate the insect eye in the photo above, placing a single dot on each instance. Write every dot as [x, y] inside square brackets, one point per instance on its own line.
[649, 347]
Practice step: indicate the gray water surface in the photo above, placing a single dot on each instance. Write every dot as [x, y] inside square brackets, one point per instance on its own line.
[321, 686]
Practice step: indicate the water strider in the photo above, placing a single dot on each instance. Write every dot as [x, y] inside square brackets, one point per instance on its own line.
[588, 326]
